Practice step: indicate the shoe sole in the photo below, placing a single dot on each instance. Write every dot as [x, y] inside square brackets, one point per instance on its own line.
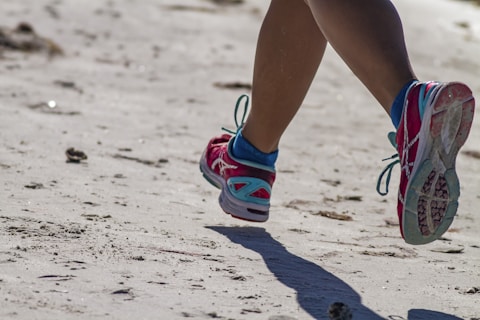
[230, 205]
[431, 197]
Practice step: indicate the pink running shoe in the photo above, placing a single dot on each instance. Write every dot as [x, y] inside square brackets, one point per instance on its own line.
[245, 186]
[435, 123]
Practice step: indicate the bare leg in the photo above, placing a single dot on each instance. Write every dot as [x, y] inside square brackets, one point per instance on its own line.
[368, 35]
[289, 50]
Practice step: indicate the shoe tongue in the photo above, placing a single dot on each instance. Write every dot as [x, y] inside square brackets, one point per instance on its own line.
[392, 137]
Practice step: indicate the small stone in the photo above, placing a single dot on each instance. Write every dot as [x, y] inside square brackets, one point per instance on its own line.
[339, 311]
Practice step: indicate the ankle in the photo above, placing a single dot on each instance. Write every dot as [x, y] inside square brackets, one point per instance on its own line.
[397, 106]
[244, 149]
[259, 140]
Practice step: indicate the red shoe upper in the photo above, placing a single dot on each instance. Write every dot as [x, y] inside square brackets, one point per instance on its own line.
[221, 162]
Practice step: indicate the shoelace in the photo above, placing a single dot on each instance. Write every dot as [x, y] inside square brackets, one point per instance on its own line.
[239, 125]
[388, 169]
[425, 95]
[391, 137]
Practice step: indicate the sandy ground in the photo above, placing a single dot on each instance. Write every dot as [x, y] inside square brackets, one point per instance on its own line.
[135, 232]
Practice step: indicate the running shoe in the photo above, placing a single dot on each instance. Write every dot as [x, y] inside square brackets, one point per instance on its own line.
[245, 186]
[435, 123]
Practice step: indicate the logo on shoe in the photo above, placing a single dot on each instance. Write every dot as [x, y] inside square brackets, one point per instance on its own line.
[222, 165]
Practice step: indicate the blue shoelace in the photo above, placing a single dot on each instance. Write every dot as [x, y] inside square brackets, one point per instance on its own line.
[424, 97]
[391, 137]
[388, 169]
[239, 125]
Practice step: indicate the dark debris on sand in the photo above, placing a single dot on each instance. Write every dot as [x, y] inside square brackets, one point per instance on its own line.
[23, 38]
[75, 156]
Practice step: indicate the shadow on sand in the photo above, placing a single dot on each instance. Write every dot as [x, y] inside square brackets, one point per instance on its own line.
[316, 288]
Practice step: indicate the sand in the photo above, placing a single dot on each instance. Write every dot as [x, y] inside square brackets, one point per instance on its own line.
[134, 231]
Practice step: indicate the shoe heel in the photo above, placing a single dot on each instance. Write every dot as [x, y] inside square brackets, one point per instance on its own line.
[242, 210]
